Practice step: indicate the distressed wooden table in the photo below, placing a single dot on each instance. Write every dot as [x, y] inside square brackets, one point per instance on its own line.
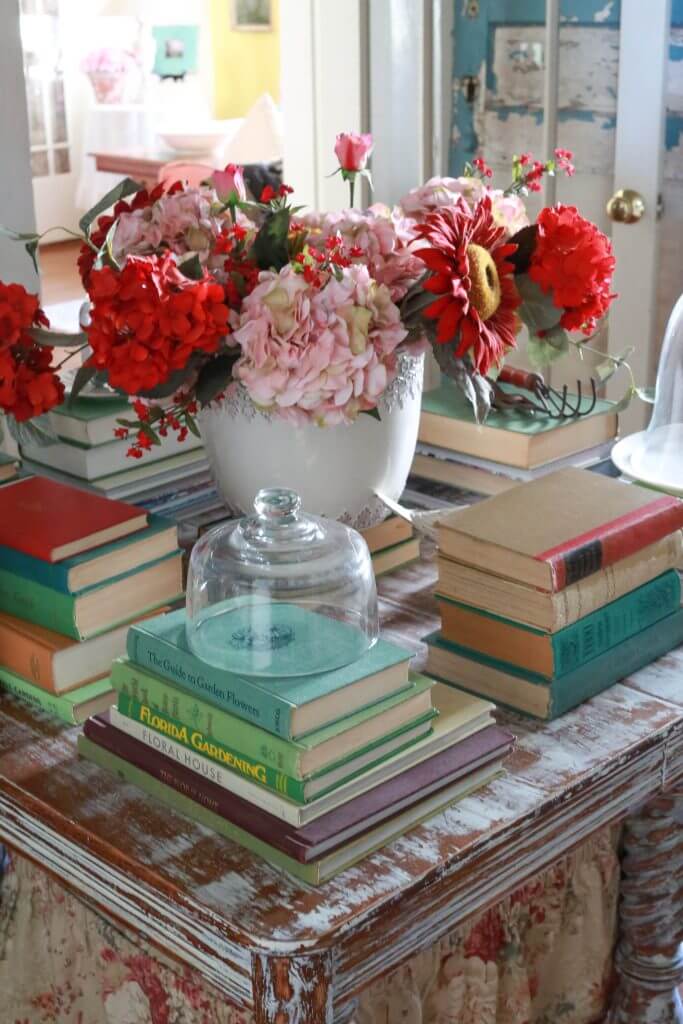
[298, 955]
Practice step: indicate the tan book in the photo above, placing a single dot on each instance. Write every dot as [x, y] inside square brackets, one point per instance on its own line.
[551, 612]
[396, 556]
[386, 534]
[559, 529]
[457, 474]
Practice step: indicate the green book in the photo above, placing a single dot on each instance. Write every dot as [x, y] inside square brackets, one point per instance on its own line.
[515, 688]
[89, 421]
[554, 654]
[72, 707]
[315, 872]
[289, 707]
[513, 438]
[96, 609]
[299, 759]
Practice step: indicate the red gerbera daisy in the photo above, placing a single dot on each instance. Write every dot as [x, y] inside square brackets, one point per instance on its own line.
[473, 279]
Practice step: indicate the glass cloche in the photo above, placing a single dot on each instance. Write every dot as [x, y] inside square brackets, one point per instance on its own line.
[280, 593]
[655, 456]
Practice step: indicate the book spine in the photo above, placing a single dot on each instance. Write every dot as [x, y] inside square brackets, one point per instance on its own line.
[168, 790]
[612, 542]
[616, 664]
[25, 657]
[197, 743]
[48, 574]
[38, 699]
[246, 700]
[38, 604]
[588, 595]
[227, 730]
[586, 639]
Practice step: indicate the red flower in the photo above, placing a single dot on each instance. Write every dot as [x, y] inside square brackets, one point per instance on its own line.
[573, 260]
[28, 384]
[473, 279]
[148, 319]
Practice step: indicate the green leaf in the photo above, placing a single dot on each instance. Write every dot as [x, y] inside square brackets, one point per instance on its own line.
[149, 432]
[17, 236]
[83, 376]
[372, 412]
[192, 268]
[214, 377]
[624, 401]
[192, 425]
[58, 339]
[544, 351]
[32, 249]
[270, 250]
[126, 187]
[537, 309]
[646, 395]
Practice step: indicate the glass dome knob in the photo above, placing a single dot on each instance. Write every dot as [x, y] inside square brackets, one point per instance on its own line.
[277, 504]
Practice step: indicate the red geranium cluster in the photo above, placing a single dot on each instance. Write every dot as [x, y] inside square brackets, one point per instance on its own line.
[573, 260]
[148, 318]
[28, 384]
[141, 199]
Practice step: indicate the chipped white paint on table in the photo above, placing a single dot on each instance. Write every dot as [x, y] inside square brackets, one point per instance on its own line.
[299, 955]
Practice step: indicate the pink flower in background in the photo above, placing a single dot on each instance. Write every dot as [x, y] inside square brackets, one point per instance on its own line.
[183, 221]
[352, 150]
[320, 355]
[229, 180]
[508, 210]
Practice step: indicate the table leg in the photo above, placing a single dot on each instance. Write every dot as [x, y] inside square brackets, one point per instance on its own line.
[649, 958]
[292, 990]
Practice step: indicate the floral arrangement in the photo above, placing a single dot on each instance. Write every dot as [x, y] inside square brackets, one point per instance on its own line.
[109, 60]
[194, 291]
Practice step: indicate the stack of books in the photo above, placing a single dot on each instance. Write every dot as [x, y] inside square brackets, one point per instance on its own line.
[75, 569]
[311, 773]
[555, 590]
[510, 448]
[172, 477]
[9, 467]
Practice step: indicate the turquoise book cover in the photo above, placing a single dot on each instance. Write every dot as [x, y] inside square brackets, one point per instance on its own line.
[160, 644]
[56, 574]
[594, 676]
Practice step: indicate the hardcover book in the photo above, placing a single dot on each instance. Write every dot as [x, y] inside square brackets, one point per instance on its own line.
[105, 562]
[88, 421]
[288, 707]
[554, 654]
[73, 707]
[8, 467]
[542, 698]
[92, 463]
[298, 759]
[460, 715]
[557, 530]
[447, 421]
[552, 612]
[332, 831]
[97, 609]
[52, 521]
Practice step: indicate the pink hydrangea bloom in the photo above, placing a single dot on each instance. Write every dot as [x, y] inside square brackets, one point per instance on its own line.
[319, 355]
[508, 211]
[184, 221]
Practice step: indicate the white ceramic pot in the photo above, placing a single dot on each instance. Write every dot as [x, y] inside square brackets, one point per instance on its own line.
[337, 471]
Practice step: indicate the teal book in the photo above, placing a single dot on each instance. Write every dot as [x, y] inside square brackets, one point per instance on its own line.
[72, 707]
[513, 687]
[106, 562]
[98, 608]
[290, 706]
[554, 654]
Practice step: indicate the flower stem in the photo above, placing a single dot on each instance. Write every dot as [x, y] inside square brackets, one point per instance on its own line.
[70, 356]
[352, 186]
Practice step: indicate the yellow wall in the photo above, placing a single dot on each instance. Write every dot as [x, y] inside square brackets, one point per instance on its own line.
[245, 64]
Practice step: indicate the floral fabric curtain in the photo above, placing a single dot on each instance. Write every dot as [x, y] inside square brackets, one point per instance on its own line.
[541, 956]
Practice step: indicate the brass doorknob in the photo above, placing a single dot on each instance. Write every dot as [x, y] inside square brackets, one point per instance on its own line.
[626, 206]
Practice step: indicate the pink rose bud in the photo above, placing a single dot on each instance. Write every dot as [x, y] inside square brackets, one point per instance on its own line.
[352, 150]
[228, 181]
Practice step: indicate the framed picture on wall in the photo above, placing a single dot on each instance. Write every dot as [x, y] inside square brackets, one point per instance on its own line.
[252, 15]
[177, 50]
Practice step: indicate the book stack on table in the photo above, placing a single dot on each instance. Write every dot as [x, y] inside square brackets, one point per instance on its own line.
[75, 570]
[555, 590]
[172, 479]
[310, 772]
[510, 448]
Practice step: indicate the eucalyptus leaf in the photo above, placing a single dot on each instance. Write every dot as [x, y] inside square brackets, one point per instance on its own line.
[83, 376]
[544, 351]
[214, 377]
[374, 413]
[126, 187]
[537, 309]
[58, 339]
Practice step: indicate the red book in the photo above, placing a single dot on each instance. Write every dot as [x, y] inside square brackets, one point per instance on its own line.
[53, 521]
[330, 831]
[557, 530]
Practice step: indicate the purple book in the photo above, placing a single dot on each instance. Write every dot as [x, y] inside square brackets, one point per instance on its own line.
[332, 830]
